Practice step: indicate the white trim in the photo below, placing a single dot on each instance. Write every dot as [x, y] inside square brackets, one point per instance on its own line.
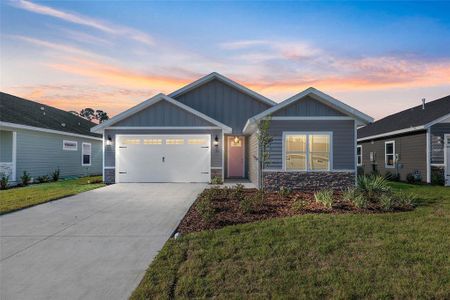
[108, 168]
[406, 130]
[223, 156]
[242, 137]
[393, 154]
[330, 118]
[19, 126]
[215, 75]
[14, 156]
[216, 168]
[70, 149]
[438, 120]
[361, 147]
[150, 102]
[428, 155]
[103, 156]
[310, 171]
[355, 147]
[82, 154]
[446, 171]
[317, 95]
[437, 165]
[307, 133]
[164, 127]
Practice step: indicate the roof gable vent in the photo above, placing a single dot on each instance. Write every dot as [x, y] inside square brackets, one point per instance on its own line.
[42, 108]
[63, 124]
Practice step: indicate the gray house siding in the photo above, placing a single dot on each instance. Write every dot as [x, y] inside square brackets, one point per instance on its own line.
[437, 133]
[223, 103]
[343, 140]
[41, 153]
[307, 106]
[110, 155]
[163, 113]
[5, 146]
[412, 155]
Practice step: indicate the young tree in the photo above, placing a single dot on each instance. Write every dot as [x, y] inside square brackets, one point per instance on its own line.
[264, 140]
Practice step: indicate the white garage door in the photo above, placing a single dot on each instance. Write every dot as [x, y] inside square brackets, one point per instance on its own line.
[163, 158]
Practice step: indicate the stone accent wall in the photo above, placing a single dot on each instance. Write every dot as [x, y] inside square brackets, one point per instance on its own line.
[310, 182]
[110, 176]
[6, 169]
[216, 173]
[438, 175]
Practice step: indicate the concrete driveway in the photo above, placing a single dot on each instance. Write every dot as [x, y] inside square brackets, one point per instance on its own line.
[95, 245]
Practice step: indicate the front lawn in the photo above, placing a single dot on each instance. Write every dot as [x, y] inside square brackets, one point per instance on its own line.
[22, 197]
[388, 255]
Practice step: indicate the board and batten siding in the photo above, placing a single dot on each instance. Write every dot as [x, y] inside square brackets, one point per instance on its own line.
[307, 107]
[223, 103]
[40, 153]
[343, 140]
[253, 158]
[437, 133]
[163, 113]
[110, 154]
[411, 149]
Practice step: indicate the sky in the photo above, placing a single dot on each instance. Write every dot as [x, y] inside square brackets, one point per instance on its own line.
[380, 57]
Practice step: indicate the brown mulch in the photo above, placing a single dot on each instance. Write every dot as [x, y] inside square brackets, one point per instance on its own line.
[228, 210]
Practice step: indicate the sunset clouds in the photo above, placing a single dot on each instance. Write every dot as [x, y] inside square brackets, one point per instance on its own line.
[76, 60]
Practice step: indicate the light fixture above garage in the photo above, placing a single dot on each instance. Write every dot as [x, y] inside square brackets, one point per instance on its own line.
[216, 141]
[109, 141]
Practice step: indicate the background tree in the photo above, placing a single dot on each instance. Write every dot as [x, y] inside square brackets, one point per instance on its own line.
[264, 140]
[87, 113]
[101, 115]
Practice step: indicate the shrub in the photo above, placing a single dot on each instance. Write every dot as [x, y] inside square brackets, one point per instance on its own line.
[284, 191]
[205, 208]
[55, 175]
[324, 197]
[299, 204]
[4, 180]
[387, 201]
[410, 178]
[437, 177]
[371, 187]
[238, 193]
[216, 180]
[252, 202]
[42, 179]
[354, 196]
[393, 177]
[405, 200]
[25, 178]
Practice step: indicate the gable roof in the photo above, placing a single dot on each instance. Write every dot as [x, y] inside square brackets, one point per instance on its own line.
[220, 77]
[29, 114]
[318, 95]
[411, 119]
[143, 105]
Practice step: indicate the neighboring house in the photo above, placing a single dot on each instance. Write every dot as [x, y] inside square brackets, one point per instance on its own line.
[415, 141]
[209, 128]
[39, 139]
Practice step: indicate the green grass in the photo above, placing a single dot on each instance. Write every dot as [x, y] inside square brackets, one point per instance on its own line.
[22, 197]
[391, 255]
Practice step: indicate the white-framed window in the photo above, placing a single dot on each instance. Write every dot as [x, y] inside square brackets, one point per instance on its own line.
[389, 154]
[359, 155]
[70, 145]
[86, 151]
[307, 151]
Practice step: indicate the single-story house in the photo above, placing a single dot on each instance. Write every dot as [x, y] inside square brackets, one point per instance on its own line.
[415, 141]
[40, 139]
[209, 129]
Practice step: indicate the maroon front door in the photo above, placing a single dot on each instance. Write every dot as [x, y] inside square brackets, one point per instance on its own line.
[235, 156]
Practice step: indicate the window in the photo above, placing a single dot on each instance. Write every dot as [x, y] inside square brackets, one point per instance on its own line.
[197, 142]
[152, 141]
[70, 145]
[131, 141]
[307, 151]
[389, 154]
[359, 155]
[86, 154]
[174, 141]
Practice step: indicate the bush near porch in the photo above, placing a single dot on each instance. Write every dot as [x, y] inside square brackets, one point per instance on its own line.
[357, 255]
[21, 197]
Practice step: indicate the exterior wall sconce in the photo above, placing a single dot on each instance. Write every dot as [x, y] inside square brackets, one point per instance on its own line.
[109, 141]
[216, 142]
[236, 139]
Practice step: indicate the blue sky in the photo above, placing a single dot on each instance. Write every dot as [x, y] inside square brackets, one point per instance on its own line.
[380, 57]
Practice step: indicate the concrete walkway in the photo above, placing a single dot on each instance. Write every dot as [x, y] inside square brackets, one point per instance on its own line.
[95, 245]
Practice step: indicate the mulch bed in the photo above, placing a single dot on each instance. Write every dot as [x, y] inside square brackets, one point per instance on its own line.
[229, 212]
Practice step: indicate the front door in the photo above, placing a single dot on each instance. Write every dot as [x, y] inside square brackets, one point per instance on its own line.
[236, 154]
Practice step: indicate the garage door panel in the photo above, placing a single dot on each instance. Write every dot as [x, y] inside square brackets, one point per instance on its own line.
[164, 158]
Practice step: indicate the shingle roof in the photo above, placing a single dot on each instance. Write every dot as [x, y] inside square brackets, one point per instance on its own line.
[412, 117]
[25, 112]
